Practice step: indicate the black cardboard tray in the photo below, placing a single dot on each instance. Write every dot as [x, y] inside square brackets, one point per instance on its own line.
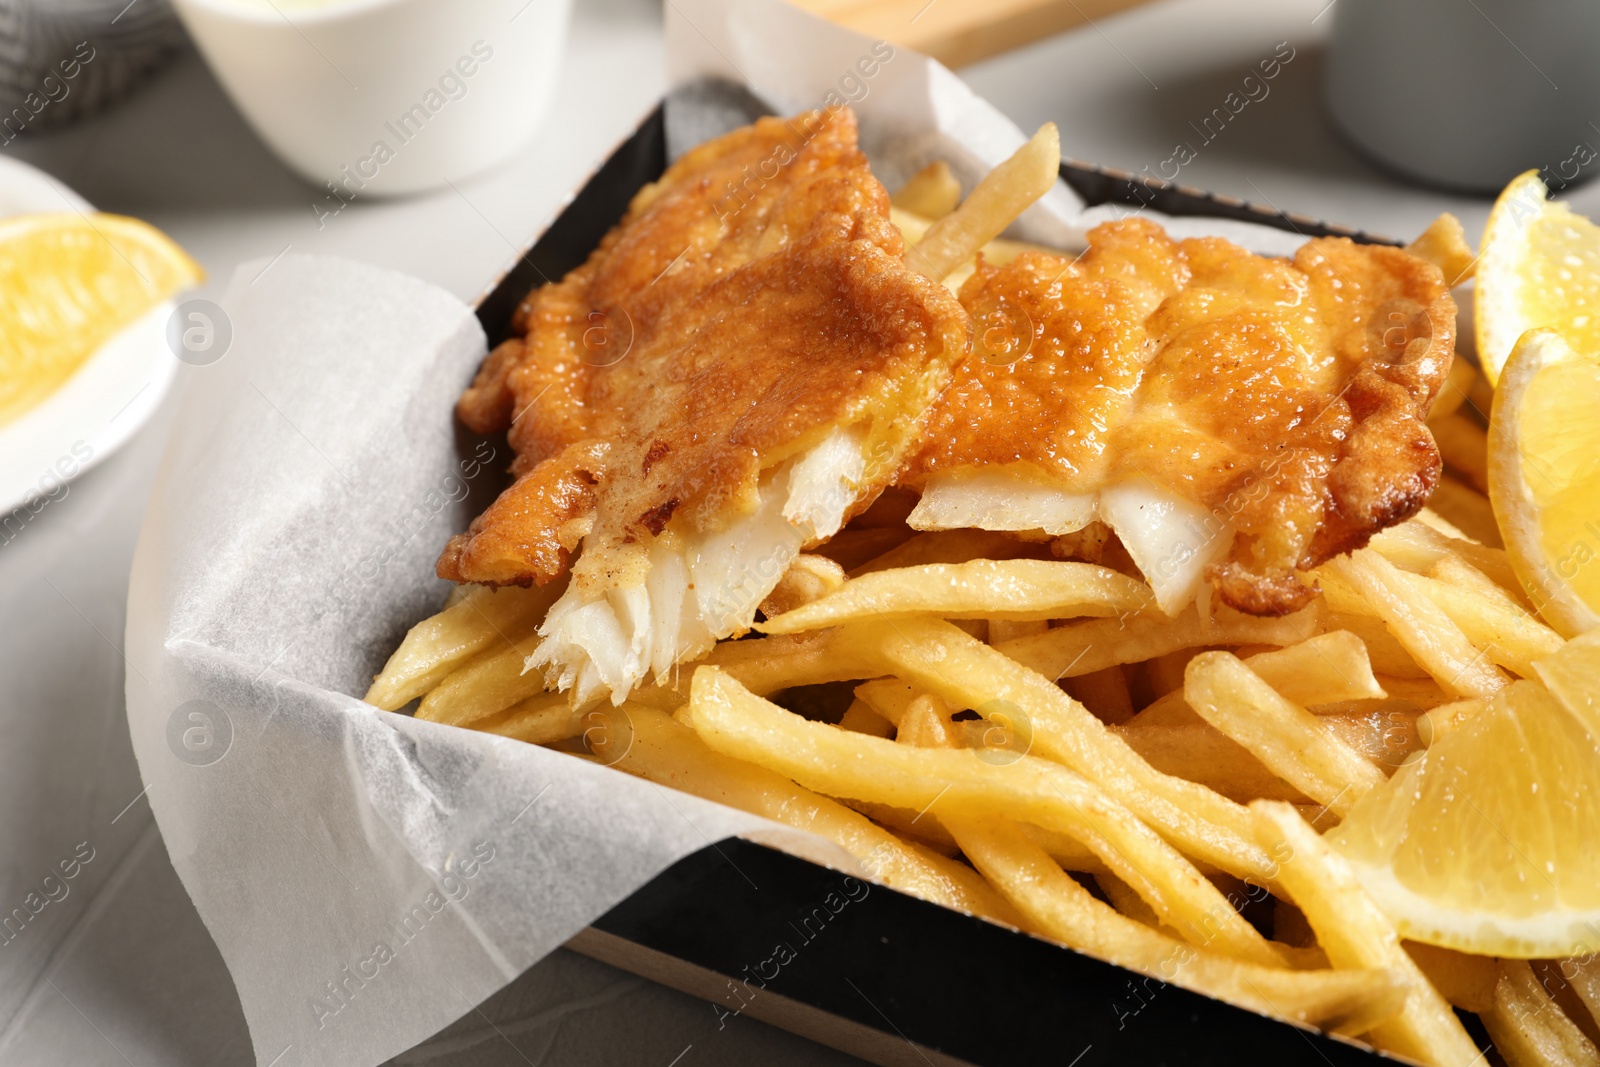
[890, 978]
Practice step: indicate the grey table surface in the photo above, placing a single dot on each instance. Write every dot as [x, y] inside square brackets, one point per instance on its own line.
[121, 971]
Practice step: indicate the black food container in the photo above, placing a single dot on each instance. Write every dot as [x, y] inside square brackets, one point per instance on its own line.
[887, 977]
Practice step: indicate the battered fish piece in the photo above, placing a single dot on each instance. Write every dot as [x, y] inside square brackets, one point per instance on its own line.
[1235, 418]
[739, 367]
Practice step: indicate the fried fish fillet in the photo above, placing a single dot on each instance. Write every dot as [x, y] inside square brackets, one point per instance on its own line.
[1233, 417]
[740, 366]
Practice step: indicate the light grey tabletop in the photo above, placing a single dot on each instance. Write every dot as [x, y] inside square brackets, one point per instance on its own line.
[121, 971]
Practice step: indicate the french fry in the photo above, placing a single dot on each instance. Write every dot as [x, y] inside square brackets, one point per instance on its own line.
[1294, 744]
[1093, 645]
[1005, 192]
[1454, 570]
[1023, 589]
[860, 718]
[966, 884]
[1466, 981]
[917, 826]
[947, 546]
[1425, 631]
[1466, 509]
[1327, 669]
[1465, 448]
[1009, 630]
[1388, 656]
[1456, 389]
[653, 746]
[1055, 904]
[1528, 1029]
[925, 724]
[1583, 975]
[1416, 546]
[1434, 520]
[938, 658]
[932, 192]
[1557, 978]
[484, 686]
[1430, 517]
[889, 697]
[543, 719]
[1201, 753]
[1342, 596]
[481, 618]
[810, 577]
[913, 226]
[1355, 934]
[1198, 752]
[1481, 395]
[1508, 635]
[1125, 900]
[766, 665]
[830, 761]
[1069, 853]
[1444, 244]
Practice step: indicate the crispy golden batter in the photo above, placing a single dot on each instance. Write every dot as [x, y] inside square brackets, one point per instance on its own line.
[751, 301]
[1059, 348]
[1287, 397]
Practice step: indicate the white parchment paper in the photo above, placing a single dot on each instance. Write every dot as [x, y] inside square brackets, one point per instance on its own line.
[368, 877]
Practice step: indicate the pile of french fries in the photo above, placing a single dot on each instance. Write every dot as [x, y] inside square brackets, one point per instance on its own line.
[1029, 740]
[1013, 729]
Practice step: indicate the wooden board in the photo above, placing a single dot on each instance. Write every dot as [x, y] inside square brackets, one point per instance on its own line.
[958, 32]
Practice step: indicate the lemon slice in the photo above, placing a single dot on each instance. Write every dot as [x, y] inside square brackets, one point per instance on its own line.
[1544, 475]
[1485, 844]
[72, 282]
[1573, 676]
[1539, 265]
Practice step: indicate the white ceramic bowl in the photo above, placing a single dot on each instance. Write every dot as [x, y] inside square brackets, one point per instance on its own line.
[98, 408]
[377, 97]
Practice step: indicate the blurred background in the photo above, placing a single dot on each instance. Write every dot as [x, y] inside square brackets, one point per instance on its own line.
[121, 970]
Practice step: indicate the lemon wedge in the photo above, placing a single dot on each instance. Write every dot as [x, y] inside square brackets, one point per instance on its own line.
[1573, 675]
[72, 282]
[1538, 265]
[1485, 844]
[1544, 475]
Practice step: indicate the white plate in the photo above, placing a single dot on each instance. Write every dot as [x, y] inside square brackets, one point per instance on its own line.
[99, 407]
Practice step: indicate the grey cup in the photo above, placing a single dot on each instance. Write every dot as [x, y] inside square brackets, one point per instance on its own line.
[1467, 94]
